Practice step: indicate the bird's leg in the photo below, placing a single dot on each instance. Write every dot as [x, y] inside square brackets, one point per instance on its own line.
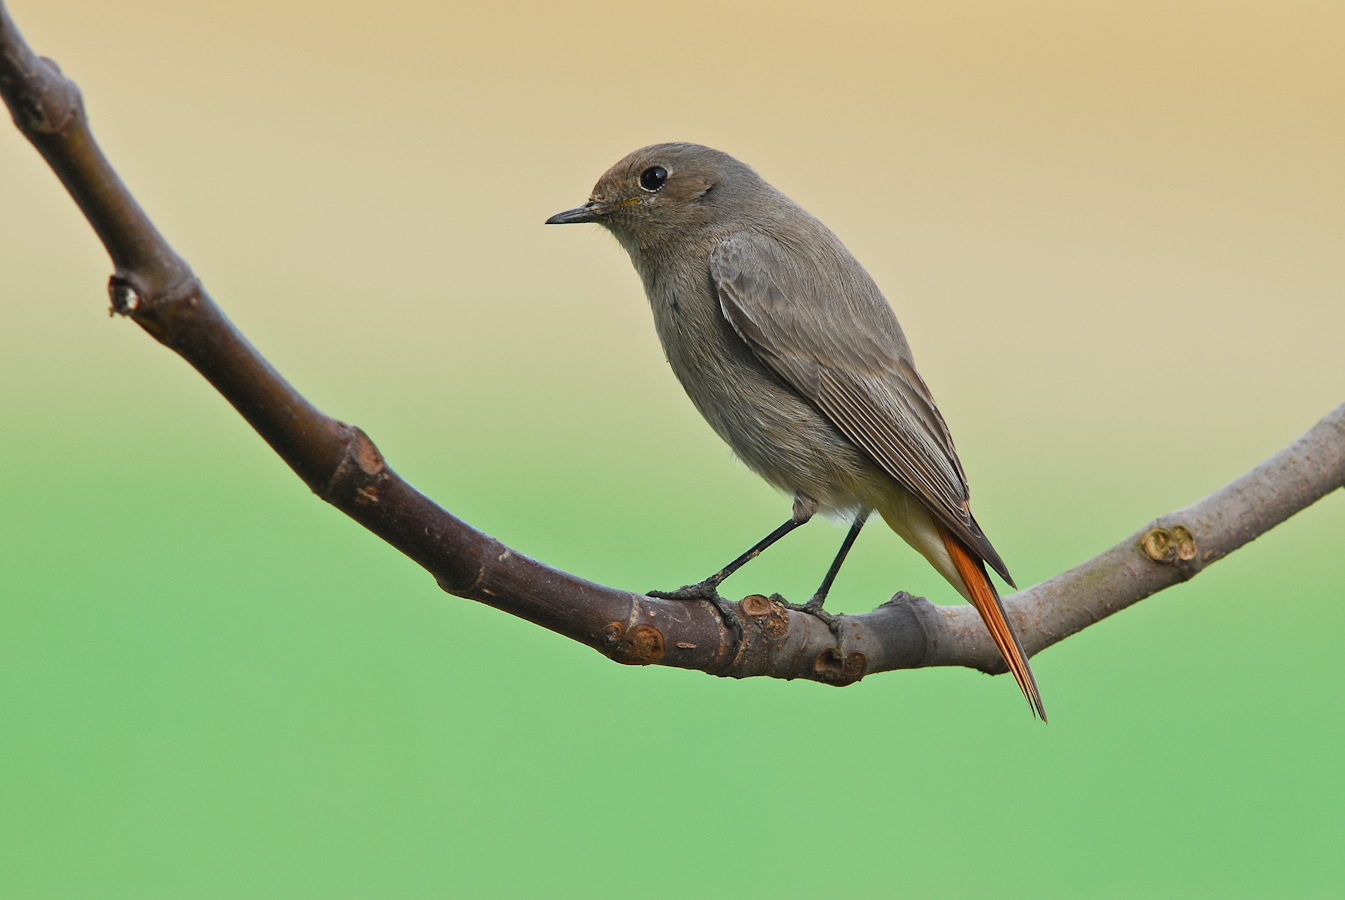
[814, 605]
[804, 508]
[820, 597]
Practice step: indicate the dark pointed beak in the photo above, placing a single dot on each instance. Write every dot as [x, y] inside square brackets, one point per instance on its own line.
[592, 211]
[589, 212]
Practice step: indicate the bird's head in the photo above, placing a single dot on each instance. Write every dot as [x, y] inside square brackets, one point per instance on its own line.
[665, 192]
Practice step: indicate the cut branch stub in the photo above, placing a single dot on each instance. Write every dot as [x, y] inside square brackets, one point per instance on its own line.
[1168, 545]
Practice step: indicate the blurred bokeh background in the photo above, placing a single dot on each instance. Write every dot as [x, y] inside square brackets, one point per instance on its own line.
[1112, 231]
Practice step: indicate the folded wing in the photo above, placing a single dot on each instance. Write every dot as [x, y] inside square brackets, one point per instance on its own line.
[839, 345]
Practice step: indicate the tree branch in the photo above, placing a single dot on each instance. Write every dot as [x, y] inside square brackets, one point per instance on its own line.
[156, 289]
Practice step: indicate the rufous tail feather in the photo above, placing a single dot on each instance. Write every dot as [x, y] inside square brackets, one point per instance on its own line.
[986, 600]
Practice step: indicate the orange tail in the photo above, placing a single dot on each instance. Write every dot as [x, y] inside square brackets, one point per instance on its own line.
[986, 600]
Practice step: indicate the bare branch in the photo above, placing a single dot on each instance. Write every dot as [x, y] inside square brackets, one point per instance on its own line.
[1172, 549]
[156, 289]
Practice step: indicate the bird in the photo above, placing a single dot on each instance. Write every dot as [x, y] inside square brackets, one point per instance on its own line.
[787, 347]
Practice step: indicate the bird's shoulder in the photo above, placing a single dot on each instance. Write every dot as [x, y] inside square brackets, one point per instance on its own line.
[804, 295]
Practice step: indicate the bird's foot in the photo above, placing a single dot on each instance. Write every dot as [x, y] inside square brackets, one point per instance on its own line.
[705, 590]
[702, 590]
[813, 608]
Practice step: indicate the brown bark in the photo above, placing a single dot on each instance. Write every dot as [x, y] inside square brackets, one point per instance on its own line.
[156, 289]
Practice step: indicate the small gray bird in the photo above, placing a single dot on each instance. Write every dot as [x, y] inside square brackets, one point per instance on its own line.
[791, 353]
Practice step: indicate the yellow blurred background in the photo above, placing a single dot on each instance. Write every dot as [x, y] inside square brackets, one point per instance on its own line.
[1113, 232]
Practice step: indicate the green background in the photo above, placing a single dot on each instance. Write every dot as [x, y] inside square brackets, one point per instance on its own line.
[1113, 236]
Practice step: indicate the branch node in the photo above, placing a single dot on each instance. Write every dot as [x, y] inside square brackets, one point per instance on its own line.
[835, 667]
[900, 598]
[153, 306]
[361, 473]
[1169, 545]
[754, 606]
[125, 299]
[775, 618]
[50, 102]
[640, 646]
[127, 294]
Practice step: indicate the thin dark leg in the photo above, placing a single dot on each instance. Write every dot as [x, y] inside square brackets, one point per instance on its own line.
[825, 588]
[814, 605]
[754, 551]
[709, 588]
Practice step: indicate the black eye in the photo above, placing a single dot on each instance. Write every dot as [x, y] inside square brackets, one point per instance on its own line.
[653, 178]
